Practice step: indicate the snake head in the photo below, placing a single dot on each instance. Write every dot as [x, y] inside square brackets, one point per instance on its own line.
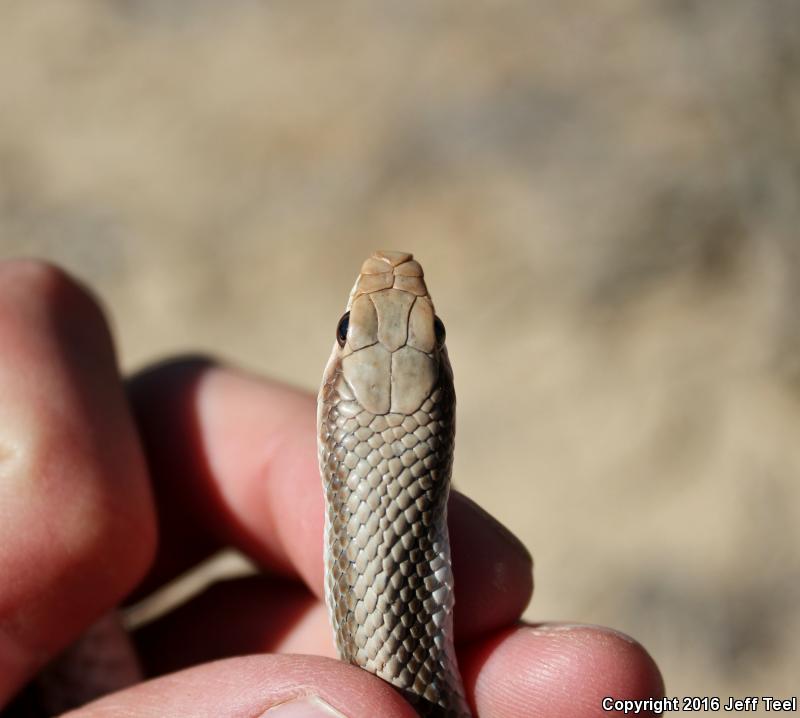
[390, 343]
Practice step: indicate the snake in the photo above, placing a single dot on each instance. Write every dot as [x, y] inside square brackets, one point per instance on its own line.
[386, 430]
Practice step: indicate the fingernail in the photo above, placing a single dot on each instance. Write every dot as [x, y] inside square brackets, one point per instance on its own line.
[546, 628]
[303, 707]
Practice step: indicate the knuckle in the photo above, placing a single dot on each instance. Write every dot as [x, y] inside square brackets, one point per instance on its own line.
[68, 449]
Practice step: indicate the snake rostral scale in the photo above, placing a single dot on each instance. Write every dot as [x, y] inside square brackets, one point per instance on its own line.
[386, 424]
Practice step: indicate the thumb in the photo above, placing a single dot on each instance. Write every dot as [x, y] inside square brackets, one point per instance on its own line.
[264, 686]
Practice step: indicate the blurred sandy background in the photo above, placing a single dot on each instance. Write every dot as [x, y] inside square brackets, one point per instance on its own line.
[605, 198]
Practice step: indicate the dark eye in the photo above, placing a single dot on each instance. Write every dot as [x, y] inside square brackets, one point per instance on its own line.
[438, 327]
[341, 329]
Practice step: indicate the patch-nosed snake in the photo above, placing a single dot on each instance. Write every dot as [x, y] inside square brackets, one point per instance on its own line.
[386, 425]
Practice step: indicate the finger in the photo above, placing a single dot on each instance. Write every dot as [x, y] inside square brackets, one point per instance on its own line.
[73, 490]
[234, 459]
[549, 670]
[260, 615]
[492, 570]
[258, 686]
[230, 457]
[555, 671]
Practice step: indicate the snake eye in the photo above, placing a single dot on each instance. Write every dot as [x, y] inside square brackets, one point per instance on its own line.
[438, 327]
[341, 329]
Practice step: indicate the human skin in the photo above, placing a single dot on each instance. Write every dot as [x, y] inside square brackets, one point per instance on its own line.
[110, 488]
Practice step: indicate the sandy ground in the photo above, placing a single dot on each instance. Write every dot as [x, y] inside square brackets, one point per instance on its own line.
[605, 201]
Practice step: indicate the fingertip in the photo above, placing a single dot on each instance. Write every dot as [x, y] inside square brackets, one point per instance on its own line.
[558, 670]
[492, 569]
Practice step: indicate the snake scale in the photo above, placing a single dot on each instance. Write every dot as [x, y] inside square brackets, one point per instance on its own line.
[386, 427]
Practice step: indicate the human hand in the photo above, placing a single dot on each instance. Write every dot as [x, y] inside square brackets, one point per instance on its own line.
[105, 495]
